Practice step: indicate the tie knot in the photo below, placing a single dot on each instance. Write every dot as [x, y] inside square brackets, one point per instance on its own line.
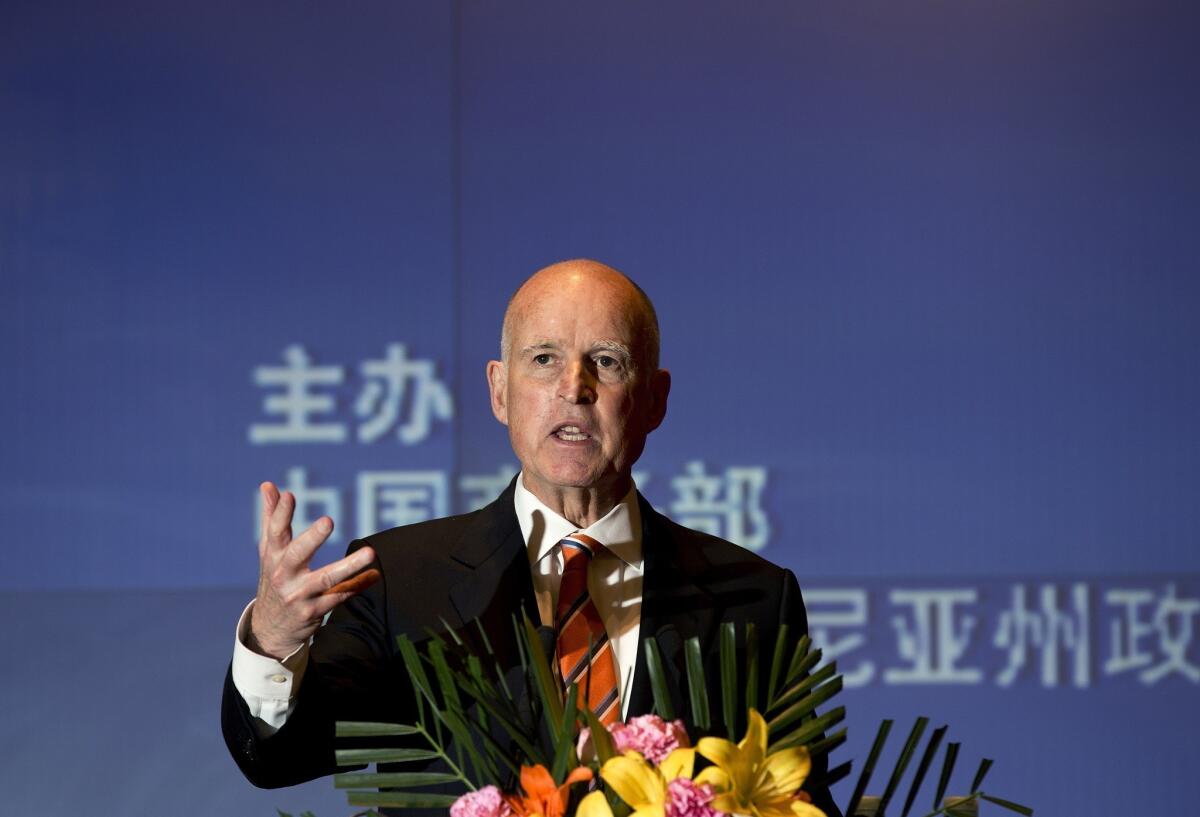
[579, 548]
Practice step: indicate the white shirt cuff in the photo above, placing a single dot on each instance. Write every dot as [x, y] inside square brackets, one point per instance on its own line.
[268, 687]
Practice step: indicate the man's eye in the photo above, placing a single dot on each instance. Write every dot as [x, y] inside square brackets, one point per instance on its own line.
[606, 362]
[542, 360]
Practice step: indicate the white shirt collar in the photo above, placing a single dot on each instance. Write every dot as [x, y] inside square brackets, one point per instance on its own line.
[619, 530]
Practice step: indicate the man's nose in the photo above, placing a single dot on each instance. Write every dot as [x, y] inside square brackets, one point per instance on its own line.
[578, 384]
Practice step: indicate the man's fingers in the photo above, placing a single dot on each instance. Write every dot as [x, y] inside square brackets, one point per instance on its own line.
[278, 530]
[330, 578]
[346, 589]
[323, 604]
[269, 496]
[302, 548]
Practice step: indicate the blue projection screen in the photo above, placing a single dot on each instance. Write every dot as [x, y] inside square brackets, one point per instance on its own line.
[926, 273]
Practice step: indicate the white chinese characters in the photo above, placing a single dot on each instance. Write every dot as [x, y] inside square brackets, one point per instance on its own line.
[829, 613]
[1041, 634]
[1153, 634]
[389, 499]
[304, 404]
[936, 639]
[397, 392]
[728, 505]
[384, 396]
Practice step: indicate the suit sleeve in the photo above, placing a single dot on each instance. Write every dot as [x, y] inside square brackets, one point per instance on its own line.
[792, 613]
[349, 676]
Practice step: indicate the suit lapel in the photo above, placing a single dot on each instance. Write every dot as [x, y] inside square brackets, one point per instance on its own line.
[675, 607]
[496, 582]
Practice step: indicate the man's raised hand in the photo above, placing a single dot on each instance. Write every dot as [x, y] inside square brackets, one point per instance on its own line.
[292, 600]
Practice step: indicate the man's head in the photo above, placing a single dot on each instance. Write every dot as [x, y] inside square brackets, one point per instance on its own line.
[578, 384]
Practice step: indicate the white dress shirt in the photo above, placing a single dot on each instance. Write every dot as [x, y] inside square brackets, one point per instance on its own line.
[614, 577]
[269, 687]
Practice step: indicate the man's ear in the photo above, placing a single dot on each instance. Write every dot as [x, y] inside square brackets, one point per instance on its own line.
[660, 387]
[497, 377]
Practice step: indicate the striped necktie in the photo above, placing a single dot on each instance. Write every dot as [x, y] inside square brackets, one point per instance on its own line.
[578, 625]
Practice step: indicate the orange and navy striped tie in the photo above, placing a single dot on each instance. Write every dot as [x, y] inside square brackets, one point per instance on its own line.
[579, 628]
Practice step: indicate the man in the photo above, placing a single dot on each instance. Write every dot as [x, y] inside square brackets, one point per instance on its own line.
[579, 387]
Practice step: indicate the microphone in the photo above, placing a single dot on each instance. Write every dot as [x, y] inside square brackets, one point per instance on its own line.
[549, 638]
[670, 644]
[670, 647]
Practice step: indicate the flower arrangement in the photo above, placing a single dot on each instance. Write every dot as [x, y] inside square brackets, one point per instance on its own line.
[535, 752]
[655, 776]
[743, 777]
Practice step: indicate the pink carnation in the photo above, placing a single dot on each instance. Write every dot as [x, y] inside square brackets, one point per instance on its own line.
[486, 802]
[686, 798]
[650, 735]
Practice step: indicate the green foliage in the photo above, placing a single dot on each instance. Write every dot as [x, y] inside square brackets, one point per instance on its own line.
[731, 697]
[462, 699]
[796, 689]
[463, 703]
[658, 680]
[697, 689]
[942, 805]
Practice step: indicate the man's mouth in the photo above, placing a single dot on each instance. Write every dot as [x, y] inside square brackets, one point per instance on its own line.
[571, 434]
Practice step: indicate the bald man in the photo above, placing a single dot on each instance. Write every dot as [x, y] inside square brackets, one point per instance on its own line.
[579, 387]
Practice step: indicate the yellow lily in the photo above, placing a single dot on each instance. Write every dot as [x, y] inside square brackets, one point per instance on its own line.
[636, 781]
[749, 781]
[594, 805]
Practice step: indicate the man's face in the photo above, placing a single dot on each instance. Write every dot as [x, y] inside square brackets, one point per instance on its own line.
[575, 392]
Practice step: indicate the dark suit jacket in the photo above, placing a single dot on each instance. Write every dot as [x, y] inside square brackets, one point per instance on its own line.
[474, 566]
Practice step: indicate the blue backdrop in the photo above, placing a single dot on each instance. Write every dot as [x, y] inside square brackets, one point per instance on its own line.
[927, 279]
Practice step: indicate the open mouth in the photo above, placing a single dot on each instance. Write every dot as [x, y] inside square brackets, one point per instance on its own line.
[571, 434]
